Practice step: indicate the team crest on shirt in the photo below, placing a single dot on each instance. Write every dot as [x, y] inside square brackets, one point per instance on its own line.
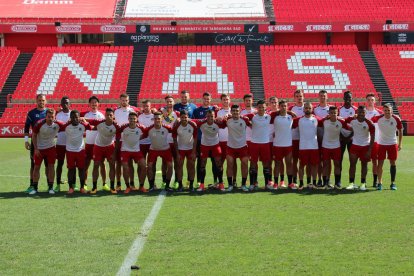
[110, 130]
[337, 126]
[189, 131]
[54, 128]
[364, 127]
[214, 128]
[162, 132]
[241, 124]
[391, 123]
[80, 129]
[136, 132]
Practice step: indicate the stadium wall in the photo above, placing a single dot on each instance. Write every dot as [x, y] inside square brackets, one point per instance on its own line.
[29, 42]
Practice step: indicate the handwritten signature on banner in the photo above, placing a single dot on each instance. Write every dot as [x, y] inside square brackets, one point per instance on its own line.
[241, 39]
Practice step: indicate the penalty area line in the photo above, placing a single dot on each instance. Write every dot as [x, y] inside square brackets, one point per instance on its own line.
[9, 175]
[139, 242]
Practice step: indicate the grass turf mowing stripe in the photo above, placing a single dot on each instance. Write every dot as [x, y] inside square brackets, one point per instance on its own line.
[140, 240]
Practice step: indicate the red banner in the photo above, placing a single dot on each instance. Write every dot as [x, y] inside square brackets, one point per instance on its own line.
[12, 130]
[66, 28]
[57, 9]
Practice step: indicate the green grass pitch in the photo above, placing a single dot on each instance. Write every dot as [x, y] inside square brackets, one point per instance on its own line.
[259, 233]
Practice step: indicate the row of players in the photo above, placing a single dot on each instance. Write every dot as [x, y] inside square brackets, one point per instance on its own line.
[251, 134]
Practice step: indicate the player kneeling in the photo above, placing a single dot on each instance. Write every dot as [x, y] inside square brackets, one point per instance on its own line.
[131, 134]
[75, 150]
[185, 141]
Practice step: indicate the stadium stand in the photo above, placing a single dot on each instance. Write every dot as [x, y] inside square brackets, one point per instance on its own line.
[397, 66]
[76, 71]
[217, 69]
[8, 56]
[334, 68]
[346, 11]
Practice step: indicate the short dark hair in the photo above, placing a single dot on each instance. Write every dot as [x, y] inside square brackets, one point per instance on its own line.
[235, 106]
[282, 102]
[185, 92]
[206, 94]
[347, 92]
[298, 91]
[168, 97]
[361, 107]
[273, 98]
[64, 98]
[333, 107]
[211, 111]
[370, 95]
[157, 113]
[183, 112]
[40, 95]
[108, 109]
[123, 95]
[389, 105]
[260, 102]
[93, 98]
[323, 92]
[50, 111]
[74, 112]
[132, 114]
[247, 96]
[146, 101]
[224, 95]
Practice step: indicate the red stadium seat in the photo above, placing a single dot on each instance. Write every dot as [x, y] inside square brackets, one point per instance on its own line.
[8, 56]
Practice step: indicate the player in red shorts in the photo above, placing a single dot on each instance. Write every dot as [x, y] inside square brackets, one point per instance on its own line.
[259, 146]
[210, 147]
[236, 145]
[44, 133]
[90, 136]
[362, 142]
[273, 104]
[282, 143]
[388, 146]
[372, 111]
[248, 109]
[331, 146]
[62, 116]
[104, 149]
[146, 119]
[185, 143]
[307, 127]
[75, 150]
[160, 147]
[298, 109]
[132, 133]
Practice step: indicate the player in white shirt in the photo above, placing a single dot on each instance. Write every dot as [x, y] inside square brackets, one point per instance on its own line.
[145, 118]
[308, 145]
[236, 145]
[185, 143]
[43, 137]
[62, 116]
[388, 125]
[224, 133]
[372, 111]
[362, 142]
[121, 117]
[321, 111]
[331, 146]
[104, 149]
[298, 109]
[248, 109]
[132, 133]
[210, 147]
[160, 147]
[259, 146]
[282, 143]
[92, 114]
[273, 104]
[75, 150]
[345, 111]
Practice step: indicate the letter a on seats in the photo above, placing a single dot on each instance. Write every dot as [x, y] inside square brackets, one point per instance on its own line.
[213, 73]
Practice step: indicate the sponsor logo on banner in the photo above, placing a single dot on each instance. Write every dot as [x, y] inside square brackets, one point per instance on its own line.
[318, 28]
[251, 28]
[113, 29]
[224, 6]
[143, 29]
[69, 29]
[357, 27]
[47, 2]
[242, 39]
[280, 28]
[145, 38]
[24, 28]
[12, 130]
[395, 27]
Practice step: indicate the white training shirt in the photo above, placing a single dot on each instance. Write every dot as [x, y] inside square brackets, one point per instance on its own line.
[169, 121]
[61, 136]
[387, 129]
[146, 120]
[331, 133]
[91, 134]
[131, 137]
[362, 131]
[282, 128]
[210, 135]
[223, 133]
[298, 110]
[237, 132]
[248, 130]
[106, 134]
[121, 114]
[159, 137]
[347, 112]
[74, 134]
[321, 111]
[307, 132]
[46, 133]
[369, 115]
[185, 135]
[260, 128]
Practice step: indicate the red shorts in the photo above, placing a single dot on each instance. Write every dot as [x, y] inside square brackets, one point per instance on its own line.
[89, 151]
[144, 148]
[238, 153]
[374, 151]
[280, 152]
[388, 150]
[164, 154]
[295, 148]
[60, 152]
[213, 151]
[75, 159]
[259, 151]
[173, 151]
[223, 146]
[248, 146]
[360, 152]
[309, 156]
[331, 154]
[100, 153]
[48, 154]
[185, 153]
[128, 155]
[118, 153]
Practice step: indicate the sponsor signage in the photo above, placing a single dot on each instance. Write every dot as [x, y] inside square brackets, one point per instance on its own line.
[234, 39]
[197, 29]
[69, 29]
[144, 37]
[66, 28]
[12, 130]
[402, 38]
[113, 29]
[24, 28]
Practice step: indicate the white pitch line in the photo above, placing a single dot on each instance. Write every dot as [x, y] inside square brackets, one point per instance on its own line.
[138, 245]
[7, 175]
